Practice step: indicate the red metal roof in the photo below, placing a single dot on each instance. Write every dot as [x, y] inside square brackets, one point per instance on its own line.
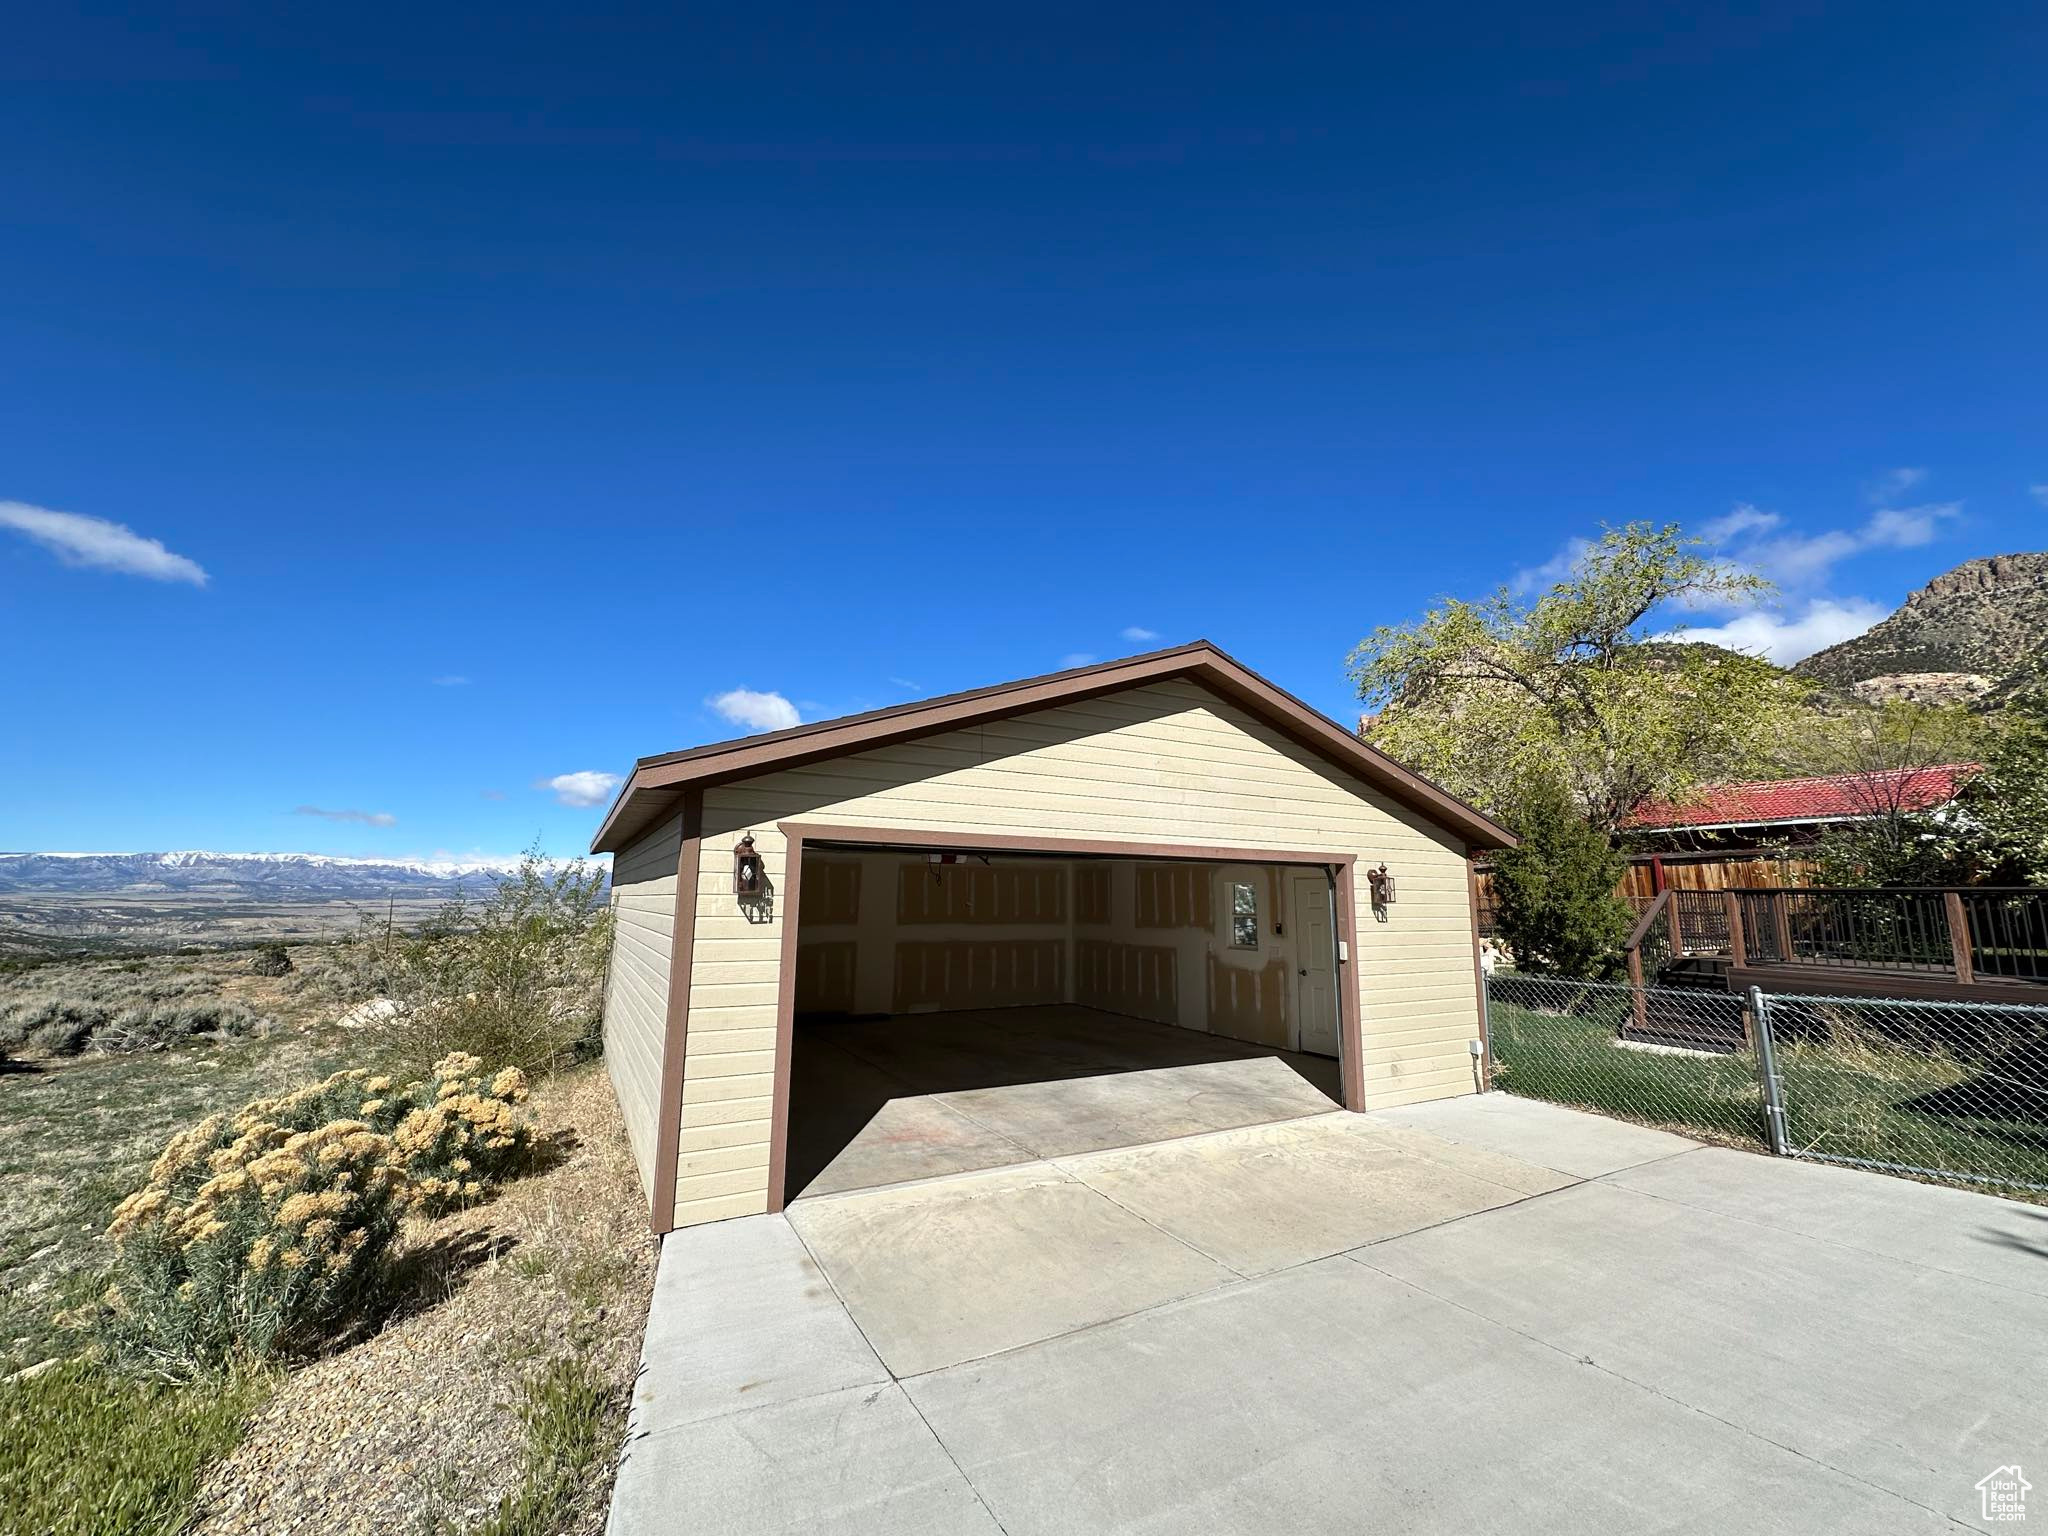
[1830, 797]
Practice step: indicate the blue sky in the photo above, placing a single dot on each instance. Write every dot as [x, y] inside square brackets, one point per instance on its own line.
[489, 393]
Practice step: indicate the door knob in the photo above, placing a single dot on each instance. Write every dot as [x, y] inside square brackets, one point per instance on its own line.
[1302, 972]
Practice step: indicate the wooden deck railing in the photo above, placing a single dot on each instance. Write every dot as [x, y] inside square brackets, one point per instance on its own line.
[1699, 922]
[1652, 933]
[1969, 935]
[2007, 932]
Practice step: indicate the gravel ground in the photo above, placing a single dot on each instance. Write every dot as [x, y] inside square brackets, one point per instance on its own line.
[414, 1430]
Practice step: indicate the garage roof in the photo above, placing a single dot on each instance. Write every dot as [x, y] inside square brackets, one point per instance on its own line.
[656, 785]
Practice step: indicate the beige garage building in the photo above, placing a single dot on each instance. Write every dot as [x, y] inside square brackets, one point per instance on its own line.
[1117, 904]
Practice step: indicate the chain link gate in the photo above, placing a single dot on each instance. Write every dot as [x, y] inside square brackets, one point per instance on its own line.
[1954, 1092]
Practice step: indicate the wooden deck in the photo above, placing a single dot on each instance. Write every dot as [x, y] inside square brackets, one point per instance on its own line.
[1927, 946]
[1876, 981]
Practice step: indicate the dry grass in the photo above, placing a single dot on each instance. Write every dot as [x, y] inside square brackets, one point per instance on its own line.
[424, 1427]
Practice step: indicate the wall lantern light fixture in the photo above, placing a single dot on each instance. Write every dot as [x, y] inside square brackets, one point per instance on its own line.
[749, 882]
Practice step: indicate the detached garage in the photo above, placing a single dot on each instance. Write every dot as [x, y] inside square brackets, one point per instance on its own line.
[1128, 902]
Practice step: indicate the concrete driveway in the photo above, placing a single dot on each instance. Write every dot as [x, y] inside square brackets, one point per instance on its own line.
[1487, 1314]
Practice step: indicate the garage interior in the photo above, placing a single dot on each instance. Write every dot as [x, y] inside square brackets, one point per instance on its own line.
[960, 1011]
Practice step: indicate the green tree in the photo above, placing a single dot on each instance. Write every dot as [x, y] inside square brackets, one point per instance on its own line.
[1881, 756]
[1554, 895]
[1576, 687]
[2006, 808]
[516, 979]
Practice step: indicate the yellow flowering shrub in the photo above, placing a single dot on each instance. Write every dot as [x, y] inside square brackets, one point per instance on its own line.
[259, 1230]
[460, 1130]
[455, 1130]
[252, 1237]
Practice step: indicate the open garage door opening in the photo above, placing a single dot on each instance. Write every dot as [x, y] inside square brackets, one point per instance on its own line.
[965, 1009]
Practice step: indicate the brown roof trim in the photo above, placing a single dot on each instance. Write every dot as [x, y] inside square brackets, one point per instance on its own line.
[656, 782]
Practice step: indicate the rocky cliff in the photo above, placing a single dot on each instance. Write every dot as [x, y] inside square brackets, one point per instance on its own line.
[1976, 635]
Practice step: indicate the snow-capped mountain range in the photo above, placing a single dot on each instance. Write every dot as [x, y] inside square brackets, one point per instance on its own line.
[302, 876]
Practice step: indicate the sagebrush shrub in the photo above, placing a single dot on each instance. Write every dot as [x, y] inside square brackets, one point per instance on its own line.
[59, 1025]
[68, 1026]
[152, 1026]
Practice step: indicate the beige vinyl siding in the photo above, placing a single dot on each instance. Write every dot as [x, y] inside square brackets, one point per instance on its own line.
[636, 986]
[1170, 763]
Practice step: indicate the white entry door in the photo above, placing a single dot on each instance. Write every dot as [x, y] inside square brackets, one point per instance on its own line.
[1315, 963]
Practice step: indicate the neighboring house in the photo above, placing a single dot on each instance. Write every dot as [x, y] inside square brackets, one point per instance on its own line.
[1770, 814]
[1168, 838]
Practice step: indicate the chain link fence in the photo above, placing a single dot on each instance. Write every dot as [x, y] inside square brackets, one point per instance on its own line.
[1956, 1092]
[1671, 1057]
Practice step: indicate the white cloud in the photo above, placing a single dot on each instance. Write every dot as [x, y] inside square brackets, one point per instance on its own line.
[1137, 634]
[2039, 493]
[1077, 659]
[581, 789]
[1892, 484]
[77, 539]
[1803, 561]
[1826, 621]
[1907, 527]
[361, 818]
[1743, 519]
[756, 711]
[451, 680]
[1800, 559]
[1532, 578]
[906, 685]
[492, 794]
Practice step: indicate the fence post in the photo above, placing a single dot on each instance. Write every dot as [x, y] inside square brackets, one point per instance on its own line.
[1738, 945]
[1767, 1076]
[1959, 936]
[1781, 926]
[1486, 1031]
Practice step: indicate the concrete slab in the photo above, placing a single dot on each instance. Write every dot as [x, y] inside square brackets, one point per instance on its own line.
[1956, 1230]
[1568, 1140]
[741, 1317]
[1704, 1341]
[913, 1138]
[1913, 1379]
[939, 1273]
[1122, 1109]
[858, 1462]
[1272, 1196]
[1314, 1401]
[1053, 1080]
[1465, 1157]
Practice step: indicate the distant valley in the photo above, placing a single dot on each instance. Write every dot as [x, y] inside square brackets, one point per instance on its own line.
[63, 903]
